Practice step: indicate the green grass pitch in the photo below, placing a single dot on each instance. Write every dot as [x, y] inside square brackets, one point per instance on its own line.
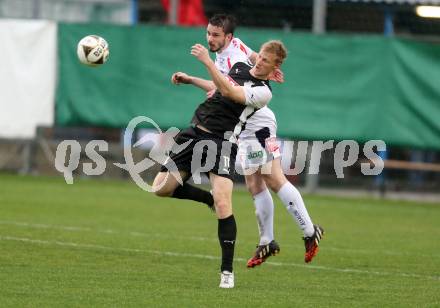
[108, 243]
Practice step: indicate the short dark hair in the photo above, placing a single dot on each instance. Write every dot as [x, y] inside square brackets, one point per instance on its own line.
[226, 22]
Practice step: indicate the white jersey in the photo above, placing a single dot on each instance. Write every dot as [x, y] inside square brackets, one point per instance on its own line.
[237, 51]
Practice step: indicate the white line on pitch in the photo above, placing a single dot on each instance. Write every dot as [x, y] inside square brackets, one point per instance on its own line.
[106, 231]
[196, 238]
[190, 255]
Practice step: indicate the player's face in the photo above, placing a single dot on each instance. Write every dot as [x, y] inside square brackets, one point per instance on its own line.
[216, 37]
[265, 64]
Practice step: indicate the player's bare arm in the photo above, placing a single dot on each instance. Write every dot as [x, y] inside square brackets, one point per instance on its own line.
[182, 78]
[221, 82]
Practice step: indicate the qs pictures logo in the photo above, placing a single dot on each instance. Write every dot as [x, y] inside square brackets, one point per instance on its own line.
[66, 164]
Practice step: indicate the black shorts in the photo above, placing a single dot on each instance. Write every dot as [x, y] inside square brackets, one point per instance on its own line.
[204, 153]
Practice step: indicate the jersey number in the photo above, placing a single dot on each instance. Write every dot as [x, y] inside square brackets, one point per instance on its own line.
[226, 164]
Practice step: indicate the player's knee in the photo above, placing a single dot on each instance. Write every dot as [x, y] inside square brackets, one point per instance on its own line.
[163, 192]
[223, 212]
[162, 189]
[255, 190]
[274, 181]
[255, 185]
[222, 205]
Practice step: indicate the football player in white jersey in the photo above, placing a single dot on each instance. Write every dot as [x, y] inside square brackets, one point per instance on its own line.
[258, 150]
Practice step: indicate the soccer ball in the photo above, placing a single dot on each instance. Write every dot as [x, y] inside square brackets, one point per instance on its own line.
[93, 50]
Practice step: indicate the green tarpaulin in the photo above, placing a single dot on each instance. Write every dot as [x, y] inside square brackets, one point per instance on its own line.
[337, 87]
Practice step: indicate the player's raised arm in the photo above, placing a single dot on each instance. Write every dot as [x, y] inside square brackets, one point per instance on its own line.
[221, 82]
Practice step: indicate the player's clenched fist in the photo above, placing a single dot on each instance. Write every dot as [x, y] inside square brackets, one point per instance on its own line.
[179, 78]
[201, 53]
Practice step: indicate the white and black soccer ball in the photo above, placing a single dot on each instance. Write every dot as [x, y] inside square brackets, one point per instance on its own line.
[93, 50]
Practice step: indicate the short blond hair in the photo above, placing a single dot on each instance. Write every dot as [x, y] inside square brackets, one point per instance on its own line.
[277, 48]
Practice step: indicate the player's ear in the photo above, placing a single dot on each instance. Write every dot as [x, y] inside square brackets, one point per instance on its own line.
[229, 36]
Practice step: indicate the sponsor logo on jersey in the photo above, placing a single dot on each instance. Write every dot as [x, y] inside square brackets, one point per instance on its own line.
[256, 154]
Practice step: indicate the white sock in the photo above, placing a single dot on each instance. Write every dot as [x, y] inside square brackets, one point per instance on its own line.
[294, 203]
[264, 211]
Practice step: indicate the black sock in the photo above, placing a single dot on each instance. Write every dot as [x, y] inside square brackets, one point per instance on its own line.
[227, 233]
[189, 192]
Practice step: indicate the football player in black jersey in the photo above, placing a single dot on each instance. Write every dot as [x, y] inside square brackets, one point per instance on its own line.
[211, 141]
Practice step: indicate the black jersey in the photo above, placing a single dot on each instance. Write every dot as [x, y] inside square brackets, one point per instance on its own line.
[220, 114]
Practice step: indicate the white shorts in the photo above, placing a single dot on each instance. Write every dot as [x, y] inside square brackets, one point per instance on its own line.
[252, 154]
